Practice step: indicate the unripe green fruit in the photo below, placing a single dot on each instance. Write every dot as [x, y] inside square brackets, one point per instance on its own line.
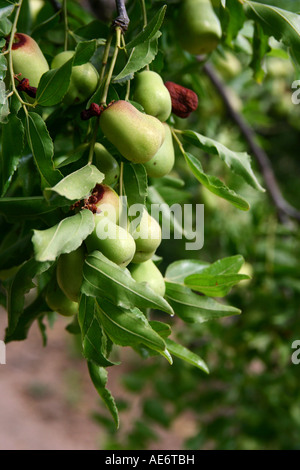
[58, 301]
[69, 273]
[199, 28]
[113, 241]
[152, 94]
[149, 273]
[136, 135]
[84, 79]
[106, 163]
[147, 236]
[163, 161]
[28, 59]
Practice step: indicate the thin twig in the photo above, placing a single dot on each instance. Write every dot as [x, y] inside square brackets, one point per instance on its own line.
[284, 209]
[122, 19]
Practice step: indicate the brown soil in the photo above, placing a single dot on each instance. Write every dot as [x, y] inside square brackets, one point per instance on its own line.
[47, 398]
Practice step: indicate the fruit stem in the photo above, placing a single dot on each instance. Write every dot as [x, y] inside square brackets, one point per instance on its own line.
[65, 15]
[105, 56]
[144, 11]
[112, 64]
[145, 21]
[10, 61]
[174, 131]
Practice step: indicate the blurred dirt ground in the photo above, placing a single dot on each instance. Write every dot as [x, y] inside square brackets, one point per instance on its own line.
[47, 398]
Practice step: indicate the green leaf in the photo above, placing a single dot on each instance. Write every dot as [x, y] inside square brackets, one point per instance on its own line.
[3, 66]
[150, 30]
[12, 147]
[41, 146]
[195, 308]
[84, 51]
[186, 355]
[64, 237]
[180, 269]
[93, 339]
[135, 183]
[78, 184]
[19, 286]
[281, 24]
[103, 278]
[4, 106]
[140, 56]
[54, 84]
[213, 285]
[213, 184]
[128, 327]
[238, 162]
[99, 376]
[25, 207]
[260, 49]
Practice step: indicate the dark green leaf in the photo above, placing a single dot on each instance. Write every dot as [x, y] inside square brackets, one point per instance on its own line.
[12, 147]
[150, 30]
[186, 355]
[41, 146]
[54, 85]
[195, 308]
[103, 278]
[99, 377]
[213, 184]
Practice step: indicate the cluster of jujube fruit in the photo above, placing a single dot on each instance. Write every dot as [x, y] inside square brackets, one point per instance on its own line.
[141, 137]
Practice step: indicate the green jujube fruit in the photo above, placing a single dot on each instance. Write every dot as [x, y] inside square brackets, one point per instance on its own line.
[104, 202]
[106, 163]
[152, 94]
[199, 28]
[28, 59]
[112, 240]
[163, 161]
[147, 236]
[58, 301]
[136, 135]
[69, 273]
[83, 82]
[149, 273]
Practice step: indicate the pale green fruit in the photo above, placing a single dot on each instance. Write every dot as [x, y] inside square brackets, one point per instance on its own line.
[84, 79]
[149, 273]
[28, 59]
[112, 240]
[152, 94]
[106, 163]
[136, 135]
[163, 161]
[69, 273]
[58, 301]
[147, 236]
[199, 28]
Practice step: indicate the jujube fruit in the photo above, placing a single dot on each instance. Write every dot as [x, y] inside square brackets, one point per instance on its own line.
[28, 59]
[106, 163]
[136, 135]
[163, 161]
[112, 240]
[58, 301]
[199, 28]
[69, 273]
[147, 236]
[83, 82]
[149, 273]
[152, 94]
[104, 202]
